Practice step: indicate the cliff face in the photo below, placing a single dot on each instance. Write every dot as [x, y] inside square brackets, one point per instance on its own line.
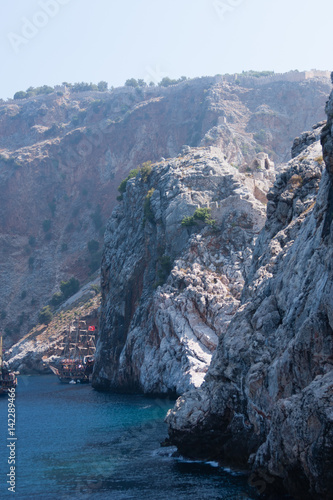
[267, 398]
[62, 157]
[159, 337]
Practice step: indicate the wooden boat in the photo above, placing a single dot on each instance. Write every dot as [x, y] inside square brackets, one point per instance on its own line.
[78, 351]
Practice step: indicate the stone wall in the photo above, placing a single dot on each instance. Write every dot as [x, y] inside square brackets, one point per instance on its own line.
[291, 76]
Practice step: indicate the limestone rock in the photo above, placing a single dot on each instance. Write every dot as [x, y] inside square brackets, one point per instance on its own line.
[162, 341]
[267, 397]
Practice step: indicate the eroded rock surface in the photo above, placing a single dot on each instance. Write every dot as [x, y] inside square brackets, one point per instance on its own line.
[267, 398]
[162, 341]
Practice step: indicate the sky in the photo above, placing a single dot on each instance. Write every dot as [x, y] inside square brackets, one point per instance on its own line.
[47, 42]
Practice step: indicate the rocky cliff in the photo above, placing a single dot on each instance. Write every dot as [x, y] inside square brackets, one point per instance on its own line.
[267, 399]
[176, 254]
[62, 157]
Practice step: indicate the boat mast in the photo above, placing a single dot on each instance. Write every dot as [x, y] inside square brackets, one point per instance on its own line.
[0, 352]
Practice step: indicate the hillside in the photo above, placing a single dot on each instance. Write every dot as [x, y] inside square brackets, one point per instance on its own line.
[63, 156]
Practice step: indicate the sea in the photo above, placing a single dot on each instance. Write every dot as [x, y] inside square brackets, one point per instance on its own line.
[70, 441]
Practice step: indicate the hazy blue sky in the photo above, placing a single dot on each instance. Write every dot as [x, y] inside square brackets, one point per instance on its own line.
[51, 41]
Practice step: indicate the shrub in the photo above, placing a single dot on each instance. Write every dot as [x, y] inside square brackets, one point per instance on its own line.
[64, 247]
[102, 86]
[57, 299]
[23, 294]
[122, 185]
[188, 221]
[166, 81]
[69, 287]
[131, 82]
[20, 95]
[45, 89]
[202, 215]
[45, 316]
[96, 289]
[83, 87]
[148, 213]
[146, 170]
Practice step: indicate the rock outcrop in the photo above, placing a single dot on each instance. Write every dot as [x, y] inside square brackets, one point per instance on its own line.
[190, 223]
[267, 398]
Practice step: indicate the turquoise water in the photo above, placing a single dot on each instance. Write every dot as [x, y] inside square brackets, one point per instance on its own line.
[73, 442]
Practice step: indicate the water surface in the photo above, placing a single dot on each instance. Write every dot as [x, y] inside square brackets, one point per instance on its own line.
[74, 442]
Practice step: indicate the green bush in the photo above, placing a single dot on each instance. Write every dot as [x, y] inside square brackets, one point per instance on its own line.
[148, 213]
[122, 185]
[102, 86]
[45, 89]
[96, 289]
[69, 287]
[131, 82]
[20, 95]
[45, 316]
[202, 215]
[57, 299]
[166, 81]
[146, 170]
[188, 221]
[83, 87]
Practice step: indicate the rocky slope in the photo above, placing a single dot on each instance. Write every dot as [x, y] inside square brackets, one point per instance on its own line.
[44, 343]
[62, 157]
[267, 399]
[159, 337]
